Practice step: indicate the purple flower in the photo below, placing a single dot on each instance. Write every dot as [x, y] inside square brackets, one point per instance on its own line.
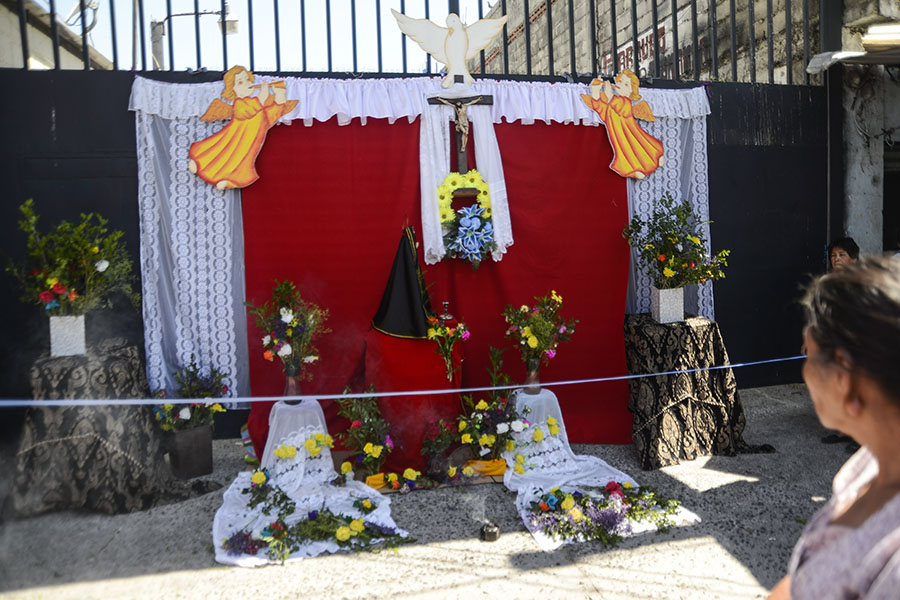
[389, 442]
[466, 334]
[551, 353]
[312, 515]
[562, 329]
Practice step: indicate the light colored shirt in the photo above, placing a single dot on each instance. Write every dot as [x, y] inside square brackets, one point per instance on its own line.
[839, 562]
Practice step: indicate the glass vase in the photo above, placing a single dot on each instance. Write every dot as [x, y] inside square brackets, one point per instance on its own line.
[532, 379]
[291, 382]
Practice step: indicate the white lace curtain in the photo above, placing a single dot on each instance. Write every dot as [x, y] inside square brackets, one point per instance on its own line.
[191, 234]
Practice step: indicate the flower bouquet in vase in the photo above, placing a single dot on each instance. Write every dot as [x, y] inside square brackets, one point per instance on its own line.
[290, 326]
[537, 331]
[189, 426]
[368, 438]
[673, 252]
[445, 334]
[439, 436]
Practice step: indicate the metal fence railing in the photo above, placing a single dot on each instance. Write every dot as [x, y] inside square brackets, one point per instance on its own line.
[730, 40]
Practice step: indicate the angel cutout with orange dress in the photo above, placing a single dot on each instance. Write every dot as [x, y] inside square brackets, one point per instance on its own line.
[636, 153]
[227, 158]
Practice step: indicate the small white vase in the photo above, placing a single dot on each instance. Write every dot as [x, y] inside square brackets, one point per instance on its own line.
[66, 335]
[667, 306]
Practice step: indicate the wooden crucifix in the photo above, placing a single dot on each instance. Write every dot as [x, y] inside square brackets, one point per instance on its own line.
[462, 123]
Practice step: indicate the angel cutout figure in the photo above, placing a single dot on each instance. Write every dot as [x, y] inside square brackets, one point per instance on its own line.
[636, 153]
[452, 45]
[227, 158]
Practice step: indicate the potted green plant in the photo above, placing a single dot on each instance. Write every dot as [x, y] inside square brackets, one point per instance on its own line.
[672, 249]
[69, 271]
[190, 426]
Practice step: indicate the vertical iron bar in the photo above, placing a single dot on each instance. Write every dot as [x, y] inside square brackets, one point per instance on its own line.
[85, 55]
[277, 36]
[196, 32]
[54, 35]
[714, 41]
[224, 43]
[549, 5]
[527, 38]
[328, 31]
[171, 36]
[572, 38]
[143, 36]
[353, 31]
[402, 36]
[378, 31]
[612, 25]
[733, 32]
[23, 33]
[769, 36]
[480, 16]
[427, 56]
[655, 37]
[805, 40]
[751, 19]
[695, 67]
[788, 43]
[250, 31]
[674, 10]
[505, 40]
[112, 21]
[636, 48]
[303, 33]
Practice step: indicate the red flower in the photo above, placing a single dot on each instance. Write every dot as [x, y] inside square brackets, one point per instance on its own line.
[662, 258]
[544, 506]
[35, 272]
[355, 425]
[612, 486]
[46, 296]
[59, 288]
[692, 265]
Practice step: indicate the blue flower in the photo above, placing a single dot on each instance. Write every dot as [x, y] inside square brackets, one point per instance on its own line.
[52, 304]
[312, 515]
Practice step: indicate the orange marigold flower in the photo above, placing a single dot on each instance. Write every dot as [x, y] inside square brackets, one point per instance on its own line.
[662, 258]
[72, 295]
[269, 355]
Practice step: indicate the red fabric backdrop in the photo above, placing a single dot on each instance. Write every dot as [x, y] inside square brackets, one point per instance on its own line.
[327, 212]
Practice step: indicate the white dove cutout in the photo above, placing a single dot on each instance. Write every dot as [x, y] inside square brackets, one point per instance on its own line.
[452, 45]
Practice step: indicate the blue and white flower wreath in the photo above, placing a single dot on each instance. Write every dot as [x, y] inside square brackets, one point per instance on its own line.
[471, 235]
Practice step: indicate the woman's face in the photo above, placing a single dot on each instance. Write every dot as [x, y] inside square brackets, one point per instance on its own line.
[820, 376]
[840, 258]
[242, 87]
[623, 85]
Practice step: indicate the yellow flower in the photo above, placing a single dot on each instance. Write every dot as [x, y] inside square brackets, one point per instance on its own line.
[694, 239]
[510, 445]
[554, 429]
[289, 332]
[527, 332]
[329, 441]
[649, 247]
[167, 406]
[376, 451]
[519, 469]
[482, 405]
[392, 477]
[52, 281]
[538, 435]
[627, 485]
[668, 272]
[96, 249]
[532, 342]
[451, 472]
[576, 514]
[315, 452]
[520, 459]
[319, 437]
[342, 534]
[468, 471]
[555, 297]
[288, 451]
[368, 448]
[346, 467]
[357, 525]
[258, 478]
[486, 440]
[551, 421]
[367, 503]
[410, 474]
[523, 308]
[216, 408]
[568, 503]
[431, 333]
[310, 444]
[462, 425]
[466, 438]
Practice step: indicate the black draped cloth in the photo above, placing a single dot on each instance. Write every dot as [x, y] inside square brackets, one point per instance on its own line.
[680, 417]
[106, 459]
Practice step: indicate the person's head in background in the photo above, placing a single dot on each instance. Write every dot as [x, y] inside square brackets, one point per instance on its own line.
[842, 252]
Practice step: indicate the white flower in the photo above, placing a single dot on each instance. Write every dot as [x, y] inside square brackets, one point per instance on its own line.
[479, 416]
[184, 413]
[517, 426]
[101, 265]
[310, 359]
[285, 350]
[286, 314]
[502, 428]
[267, 340]
[484, 451]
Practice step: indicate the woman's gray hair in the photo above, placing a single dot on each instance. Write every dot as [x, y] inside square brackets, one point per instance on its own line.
[857, 309]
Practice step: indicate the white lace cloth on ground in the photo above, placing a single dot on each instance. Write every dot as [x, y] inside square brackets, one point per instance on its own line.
[550, 463]
[306, 480]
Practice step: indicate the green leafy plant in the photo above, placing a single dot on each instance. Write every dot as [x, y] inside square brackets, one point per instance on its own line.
[538, 330]
[368, 436]
[672, 247]
[73, 268]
